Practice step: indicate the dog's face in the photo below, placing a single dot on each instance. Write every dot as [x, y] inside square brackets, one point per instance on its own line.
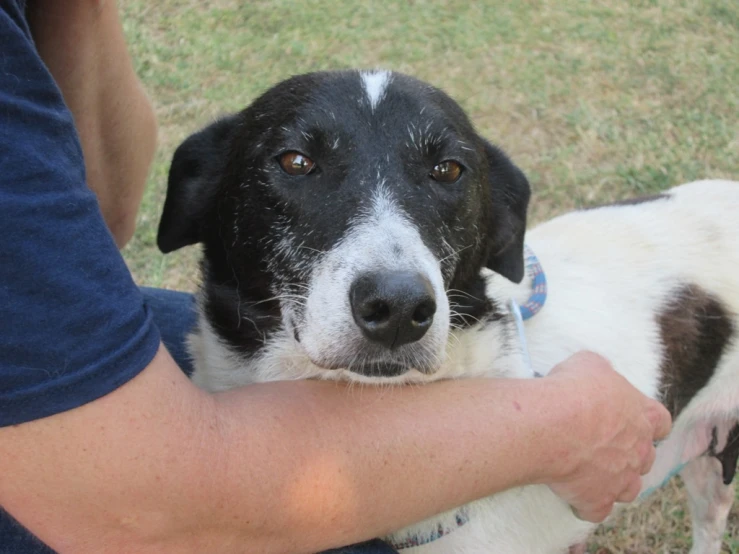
[352, 212]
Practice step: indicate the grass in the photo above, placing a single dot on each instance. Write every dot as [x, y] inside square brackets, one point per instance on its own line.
[595, 100]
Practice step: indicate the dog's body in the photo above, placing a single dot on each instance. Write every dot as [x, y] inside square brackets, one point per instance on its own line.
[355, 227]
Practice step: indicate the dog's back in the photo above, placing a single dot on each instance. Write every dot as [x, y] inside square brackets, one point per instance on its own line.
[628, 279]
[651, 285]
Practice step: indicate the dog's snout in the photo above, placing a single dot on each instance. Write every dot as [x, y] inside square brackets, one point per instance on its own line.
[393, 308]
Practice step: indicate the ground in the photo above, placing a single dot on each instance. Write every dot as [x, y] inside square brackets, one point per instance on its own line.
[595, 100]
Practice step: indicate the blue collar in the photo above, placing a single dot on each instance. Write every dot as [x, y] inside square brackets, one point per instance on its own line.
[532, 306]
[538, 296]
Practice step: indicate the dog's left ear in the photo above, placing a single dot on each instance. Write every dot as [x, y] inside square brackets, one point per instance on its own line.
[509, 194]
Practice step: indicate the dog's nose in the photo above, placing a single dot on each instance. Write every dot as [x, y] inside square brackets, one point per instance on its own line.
[393, 308]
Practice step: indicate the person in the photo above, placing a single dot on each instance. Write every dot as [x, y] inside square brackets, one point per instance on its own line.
[106, 446]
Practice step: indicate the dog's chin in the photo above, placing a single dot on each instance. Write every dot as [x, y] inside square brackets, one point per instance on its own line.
[380, 372]
[375, 369]
[371, 375]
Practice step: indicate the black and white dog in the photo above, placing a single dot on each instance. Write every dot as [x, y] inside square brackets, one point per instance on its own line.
[356, 227]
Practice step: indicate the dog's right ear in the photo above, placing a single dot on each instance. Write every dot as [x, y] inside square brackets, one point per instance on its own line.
[510, 193]
[193, 180]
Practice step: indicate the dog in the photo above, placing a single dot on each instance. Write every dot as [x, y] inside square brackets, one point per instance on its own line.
[356, 227]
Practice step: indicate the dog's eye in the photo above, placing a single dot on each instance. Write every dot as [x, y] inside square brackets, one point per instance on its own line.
[295, 163]
[448, 171]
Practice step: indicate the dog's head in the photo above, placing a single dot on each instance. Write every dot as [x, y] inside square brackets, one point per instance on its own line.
[352, 212]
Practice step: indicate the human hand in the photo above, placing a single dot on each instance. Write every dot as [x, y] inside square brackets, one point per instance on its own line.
[609, 442]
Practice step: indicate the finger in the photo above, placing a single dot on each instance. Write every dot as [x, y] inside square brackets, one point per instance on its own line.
[660, 419]
[648, 460]
[631, 492]
[581, 548]
[600, 515]
[593, 515]
[576, 513]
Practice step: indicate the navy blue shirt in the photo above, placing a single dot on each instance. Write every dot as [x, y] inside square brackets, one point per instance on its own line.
[73, 325]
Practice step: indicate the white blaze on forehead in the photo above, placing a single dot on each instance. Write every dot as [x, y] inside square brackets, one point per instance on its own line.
[383, 206]
[375, 84]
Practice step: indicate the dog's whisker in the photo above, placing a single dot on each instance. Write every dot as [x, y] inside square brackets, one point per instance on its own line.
[277, 297]
[289, 286]
[310, 249]
[462, 293]
[456, 253]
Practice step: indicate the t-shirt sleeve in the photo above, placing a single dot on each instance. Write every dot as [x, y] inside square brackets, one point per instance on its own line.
[73, 325]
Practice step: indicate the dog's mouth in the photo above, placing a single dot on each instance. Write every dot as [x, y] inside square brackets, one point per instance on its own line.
[372, 369]
[364, 358]
[375, 366]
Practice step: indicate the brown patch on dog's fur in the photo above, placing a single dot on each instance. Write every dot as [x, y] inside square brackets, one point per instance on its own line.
[631, 201]
[695, 328]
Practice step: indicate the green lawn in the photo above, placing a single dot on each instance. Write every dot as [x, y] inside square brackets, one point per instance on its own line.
[594, 100]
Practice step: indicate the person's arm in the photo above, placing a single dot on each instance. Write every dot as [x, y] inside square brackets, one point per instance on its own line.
[82, 44]
[292, 467]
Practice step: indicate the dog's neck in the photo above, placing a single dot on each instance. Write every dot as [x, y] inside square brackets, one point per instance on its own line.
[516, 303]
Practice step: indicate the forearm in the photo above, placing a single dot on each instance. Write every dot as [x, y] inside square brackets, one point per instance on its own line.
[282, 467]
[82, 44]
[340, 465]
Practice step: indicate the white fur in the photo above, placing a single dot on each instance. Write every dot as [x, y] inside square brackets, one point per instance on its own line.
[710, 502]
[610, 272]
[375, 84]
